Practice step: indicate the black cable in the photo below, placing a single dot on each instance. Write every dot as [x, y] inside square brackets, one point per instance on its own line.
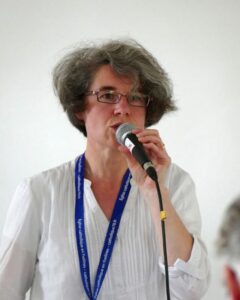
[163, 218]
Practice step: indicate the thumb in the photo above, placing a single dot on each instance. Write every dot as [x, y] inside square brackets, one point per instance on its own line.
[139, 175]
[131, 161]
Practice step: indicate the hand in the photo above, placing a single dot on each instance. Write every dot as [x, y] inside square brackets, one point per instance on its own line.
[156, 152]
[179, 240]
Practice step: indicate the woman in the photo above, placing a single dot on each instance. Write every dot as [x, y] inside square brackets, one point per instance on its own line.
[108, 245]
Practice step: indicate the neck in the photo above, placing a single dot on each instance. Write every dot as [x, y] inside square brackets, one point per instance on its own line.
[108, 165]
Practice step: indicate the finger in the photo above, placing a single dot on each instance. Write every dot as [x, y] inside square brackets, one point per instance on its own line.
[159, 154]
[152, 139]
[146, 132]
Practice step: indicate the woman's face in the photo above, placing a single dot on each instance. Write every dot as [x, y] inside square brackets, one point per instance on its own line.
[102, 119]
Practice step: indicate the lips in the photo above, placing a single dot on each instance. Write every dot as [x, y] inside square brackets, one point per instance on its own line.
[115, 126]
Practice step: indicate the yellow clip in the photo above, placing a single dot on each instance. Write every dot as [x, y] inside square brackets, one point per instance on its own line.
[163, 215]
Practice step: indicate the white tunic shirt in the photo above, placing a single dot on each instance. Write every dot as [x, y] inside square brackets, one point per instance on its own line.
[39, 251]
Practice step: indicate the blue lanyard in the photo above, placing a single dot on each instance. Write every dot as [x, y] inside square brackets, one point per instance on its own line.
[111, 232]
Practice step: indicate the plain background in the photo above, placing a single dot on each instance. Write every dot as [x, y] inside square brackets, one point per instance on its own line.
[197, 42]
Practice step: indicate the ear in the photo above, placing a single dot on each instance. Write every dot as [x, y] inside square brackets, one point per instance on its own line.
[232, 283]
[80, 115]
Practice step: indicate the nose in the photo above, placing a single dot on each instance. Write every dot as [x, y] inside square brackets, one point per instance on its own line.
[122, 107]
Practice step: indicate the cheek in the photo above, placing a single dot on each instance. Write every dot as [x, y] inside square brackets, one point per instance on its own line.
[140, 119]
[95, 118]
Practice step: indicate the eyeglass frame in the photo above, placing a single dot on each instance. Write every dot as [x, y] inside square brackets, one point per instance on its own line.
[120, 95]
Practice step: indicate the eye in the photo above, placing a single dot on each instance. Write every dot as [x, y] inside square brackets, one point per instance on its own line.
[137, 98]
[108, 96]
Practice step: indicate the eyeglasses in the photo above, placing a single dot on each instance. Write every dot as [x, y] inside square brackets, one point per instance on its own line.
[112, 97]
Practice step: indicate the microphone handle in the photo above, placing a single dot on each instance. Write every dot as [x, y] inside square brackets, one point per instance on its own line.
[137, 150]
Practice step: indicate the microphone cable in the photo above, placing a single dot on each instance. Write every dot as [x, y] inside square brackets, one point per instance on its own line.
[163, 216]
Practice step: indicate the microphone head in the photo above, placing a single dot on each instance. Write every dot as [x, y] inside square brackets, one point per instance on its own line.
[122, 131]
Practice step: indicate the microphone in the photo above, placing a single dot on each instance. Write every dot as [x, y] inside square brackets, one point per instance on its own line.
[126, 138]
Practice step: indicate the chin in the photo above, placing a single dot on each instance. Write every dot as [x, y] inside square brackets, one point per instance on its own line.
[113, 144]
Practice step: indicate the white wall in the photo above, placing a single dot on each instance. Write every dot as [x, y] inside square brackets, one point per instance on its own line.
[196, 41]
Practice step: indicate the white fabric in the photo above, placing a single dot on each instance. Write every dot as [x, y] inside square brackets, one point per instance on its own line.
[38, 248]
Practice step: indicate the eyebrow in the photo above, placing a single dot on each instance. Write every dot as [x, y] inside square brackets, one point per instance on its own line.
[113, 88]
[107, 88]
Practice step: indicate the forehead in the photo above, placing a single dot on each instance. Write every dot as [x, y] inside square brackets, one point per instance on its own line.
[106, 76]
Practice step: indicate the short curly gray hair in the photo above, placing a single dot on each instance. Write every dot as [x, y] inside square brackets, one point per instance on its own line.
[73, 75]
[228, 243]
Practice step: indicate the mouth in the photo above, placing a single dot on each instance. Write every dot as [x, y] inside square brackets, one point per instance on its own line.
[115, 126]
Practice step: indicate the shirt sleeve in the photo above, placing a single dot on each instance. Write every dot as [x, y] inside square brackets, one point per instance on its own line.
[188, 280]
[19, 244]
